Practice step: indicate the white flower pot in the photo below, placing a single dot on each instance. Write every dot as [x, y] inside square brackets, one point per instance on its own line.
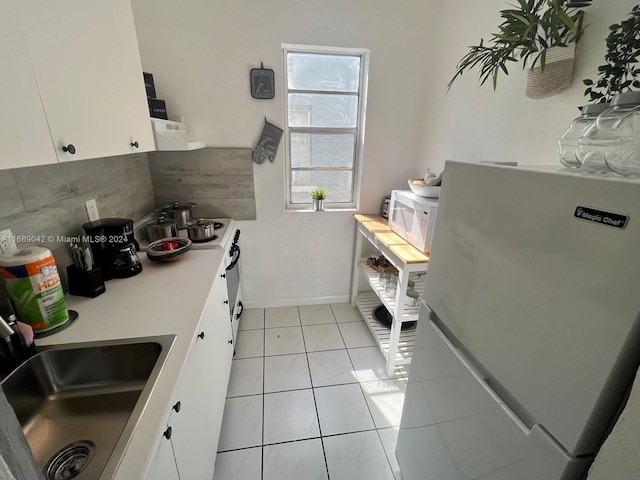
[557, 73]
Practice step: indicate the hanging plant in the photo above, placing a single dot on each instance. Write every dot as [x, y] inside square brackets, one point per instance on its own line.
[620, 73]
[527, 32]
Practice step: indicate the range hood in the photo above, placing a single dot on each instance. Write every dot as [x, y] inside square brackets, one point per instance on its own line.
[170, 135]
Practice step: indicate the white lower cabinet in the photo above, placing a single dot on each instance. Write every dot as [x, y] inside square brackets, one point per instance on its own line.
[163, 466]
[195, 419]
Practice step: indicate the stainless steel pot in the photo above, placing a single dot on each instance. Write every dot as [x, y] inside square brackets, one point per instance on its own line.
[201, 230]
[162, 228]
[181, 213]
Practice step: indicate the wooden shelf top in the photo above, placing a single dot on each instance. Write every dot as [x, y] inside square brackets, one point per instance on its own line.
[374, 223]
[377, 225]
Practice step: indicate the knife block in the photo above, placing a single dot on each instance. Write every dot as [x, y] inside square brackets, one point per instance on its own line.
[85, 283]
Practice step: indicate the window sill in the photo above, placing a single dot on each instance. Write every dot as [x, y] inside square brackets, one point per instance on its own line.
[326, 210]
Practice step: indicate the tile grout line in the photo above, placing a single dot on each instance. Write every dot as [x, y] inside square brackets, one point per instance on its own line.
[376, 429]
[264, 347]
[313, 388]
[315, 402]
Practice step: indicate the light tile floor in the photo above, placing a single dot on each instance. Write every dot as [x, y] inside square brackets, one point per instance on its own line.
[309, 399]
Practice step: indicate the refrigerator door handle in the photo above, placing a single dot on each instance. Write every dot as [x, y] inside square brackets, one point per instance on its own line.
[482, 381]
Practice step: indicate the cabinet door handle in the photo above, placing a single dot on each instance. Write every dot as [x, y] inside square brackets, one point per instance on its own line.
[201, 335]
[224, 275]
[231, 342]
[226, 302]
[69, 149]
[167, 433]
[177, 407]
[135, 144]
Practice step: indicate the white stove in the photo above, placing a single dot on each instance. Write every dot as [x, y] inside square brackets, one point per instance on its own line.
[223, 236]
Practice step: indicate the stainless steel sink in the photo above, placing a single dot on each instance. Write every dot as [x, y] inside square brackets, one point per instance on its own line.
[78, 404]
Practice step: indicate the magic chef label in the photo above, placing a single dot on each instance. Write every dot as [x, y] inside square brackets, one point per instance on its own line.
[600, 216]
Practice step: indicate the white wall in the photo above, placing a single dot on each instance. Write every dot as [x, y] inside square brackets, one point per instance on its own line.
[473, 123]
[200, 53]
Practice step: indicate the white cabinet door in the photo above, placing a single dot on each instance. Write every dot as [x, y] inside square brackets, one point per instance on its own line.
[86, 61]
[24, 134]
[163, 464]
[202, 391]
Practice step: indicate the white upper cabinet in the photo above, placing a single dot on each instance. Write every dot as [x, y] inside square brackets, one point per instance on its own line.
[24, 134]
[87, 66]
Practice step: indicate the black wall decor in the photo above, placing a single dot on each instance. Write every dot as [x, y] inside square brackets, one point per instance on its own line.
[262, 83]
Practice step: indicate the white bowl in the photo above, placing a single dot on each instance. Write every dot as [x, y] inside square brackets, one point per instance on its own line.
[428, 191]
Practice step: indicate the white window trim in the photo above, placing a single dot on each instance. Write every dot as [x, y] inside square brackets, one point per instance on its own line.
[363, 53]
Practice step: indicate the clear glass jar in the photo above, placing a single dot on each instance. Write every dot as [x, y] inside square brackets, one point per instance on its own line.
[568, 145]
[600, 140]
[382, 279]
[411, 298]
[391, 287]
[624, 159]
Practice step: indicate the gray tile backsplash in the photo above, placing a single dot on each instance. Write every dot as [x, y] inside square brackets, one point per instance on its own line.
[218, 180]
[49, 200]
[10, 200]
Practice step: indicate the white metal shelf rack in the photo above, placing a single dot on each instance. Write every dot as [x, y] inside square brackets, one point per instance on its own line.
[395, 344]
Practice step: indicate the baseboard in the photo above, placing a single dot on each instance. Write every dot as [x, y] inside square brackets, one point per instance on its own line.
[292, 302]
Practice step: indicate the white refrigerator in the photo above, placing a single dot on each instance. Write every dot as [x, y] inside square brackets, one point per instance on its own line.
[528, 338]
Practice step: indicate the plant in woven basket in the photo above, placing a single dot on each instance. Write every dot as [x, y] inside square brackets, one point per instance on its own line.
[620, 73]
[527, 32]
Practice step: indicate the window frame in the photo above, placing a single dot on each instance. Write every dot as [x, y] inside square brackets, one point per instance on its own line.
[358, 131]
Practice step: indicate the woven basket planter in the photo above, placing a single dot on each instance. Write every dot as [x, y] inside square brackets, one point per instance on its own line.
[557, 73]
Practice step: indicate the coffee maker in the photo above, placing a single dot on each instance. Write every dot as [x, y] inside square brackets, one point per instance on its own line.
[114, 247]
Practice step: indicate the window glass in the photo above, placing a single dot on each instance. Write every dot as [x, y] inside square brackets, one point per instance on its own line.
[325, 100]
[337, 73]
[322, 110]
[337, 184]
[322, 150]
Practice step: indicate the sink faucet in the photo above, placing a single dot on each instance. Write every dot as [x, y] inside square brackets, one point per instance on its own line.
[13, 347]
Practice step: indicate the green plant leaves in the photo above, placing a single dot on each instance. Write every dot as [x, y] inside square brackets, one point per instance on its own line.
[531, 29]
[619, 73]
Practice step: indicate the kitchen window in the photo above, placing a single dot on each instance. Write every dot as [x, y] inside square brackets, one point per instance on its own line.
[325, 98]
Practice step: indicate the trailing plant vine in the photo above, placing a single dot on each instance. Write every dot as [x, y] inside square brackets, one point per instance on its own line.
[620, 73]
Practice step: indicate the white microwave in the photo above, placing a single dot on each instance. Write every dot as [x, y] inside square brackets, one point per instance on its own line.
[413, 218]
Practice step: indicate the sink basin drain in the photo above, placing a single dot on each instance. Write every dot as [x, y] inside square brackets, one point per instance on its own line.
[70, 461]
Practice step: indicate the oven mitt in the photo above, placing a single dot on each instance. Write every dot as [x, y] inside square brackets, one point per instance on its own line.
[268, 144]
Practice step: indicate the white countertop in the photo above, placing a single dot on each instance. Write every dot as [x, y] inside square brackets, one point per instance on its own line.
[165, 298]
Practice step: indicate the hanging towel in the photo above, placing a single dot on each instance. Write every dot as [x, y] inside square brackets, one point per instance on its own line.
[16, 459]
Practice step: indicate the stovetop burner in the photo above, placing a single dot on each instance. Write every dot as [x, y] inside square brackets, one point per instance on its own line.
[215, 237]
[216, 226]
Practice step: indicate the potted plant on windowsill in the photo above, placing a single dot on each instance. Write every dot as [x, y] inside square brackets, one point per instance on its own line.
[542, 34]
[318, 195]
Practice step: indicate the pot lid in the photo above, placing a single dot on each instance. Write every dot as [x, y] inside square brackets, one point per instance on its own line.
[626, 98]
[161, 222]
[177, 207]
[594, 108]
[204, 222]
